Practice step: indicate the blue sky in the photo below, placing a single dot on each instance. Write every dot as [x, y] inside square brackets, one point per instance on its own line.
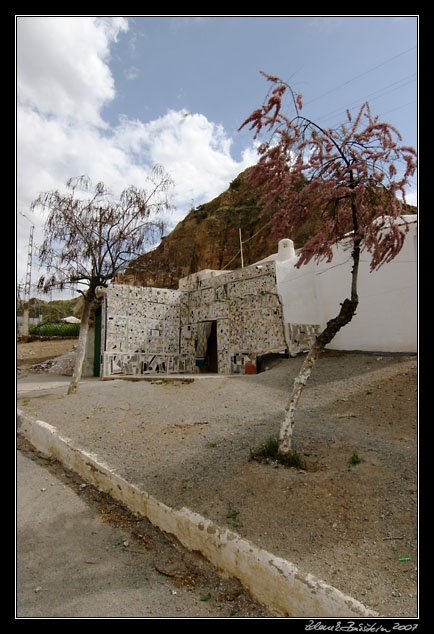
[110, 96]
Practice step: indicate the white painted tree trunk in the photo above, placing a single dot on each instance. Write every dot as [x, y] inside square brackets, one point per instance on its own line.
[348, 309]
[25, 324]
[81, 348]
[346, 313]
[287, 427]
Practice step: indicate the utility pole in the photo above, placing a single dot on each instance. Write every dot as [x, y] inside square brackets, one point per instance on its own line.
[241, 249]
[28, 284]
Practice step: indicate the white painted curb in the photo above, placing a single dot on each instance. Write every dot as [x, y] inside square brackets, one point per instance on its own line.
[276, 583]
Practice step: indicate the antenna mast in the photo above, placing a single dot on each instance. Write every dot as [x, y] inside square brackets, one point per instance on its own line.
[28, 284]
[27, 287]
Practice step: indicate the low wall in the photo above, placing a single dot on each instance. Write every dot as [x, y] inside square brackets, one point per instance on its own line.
[276, 583]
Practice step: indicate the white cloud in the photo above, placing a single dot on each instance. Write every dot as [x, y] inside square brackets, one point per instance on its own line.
[62, 65]
[132, 73]
[195, 152]
[411, 197]
[63, 81]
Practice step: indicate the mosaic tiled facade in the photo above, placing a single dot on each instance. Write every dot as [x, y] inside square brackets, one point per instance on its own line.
[300, 337]
[148, 330]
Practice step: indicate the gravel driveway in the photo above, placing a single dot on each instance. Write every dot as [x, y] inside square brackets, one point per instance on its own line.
[188, 443]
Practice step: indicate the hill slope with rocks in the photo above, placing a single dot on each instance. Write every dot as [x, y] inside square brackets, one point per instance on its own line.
[209, 238]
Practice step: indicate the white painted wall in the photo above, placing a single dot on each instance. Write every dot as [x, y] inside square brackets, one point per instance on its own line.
[386, 319]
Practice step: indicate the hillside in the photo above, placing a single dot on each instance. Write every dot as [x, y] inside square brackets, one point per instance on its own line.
[53, 310]
[208, 238]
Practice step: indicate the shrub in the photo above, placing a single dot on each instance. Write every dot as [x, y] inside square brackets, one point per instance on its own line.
[269, 452]
[55, 329]
[355, 458]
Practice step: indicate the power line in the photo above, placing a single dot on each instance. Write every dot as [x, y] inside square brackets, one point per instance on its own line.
[383, 92]
[245, 241]
[345, 83]
[399, 107]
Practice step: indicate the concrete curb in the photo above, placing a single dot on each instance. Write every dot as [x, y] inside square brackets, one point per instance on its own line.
[276, 583]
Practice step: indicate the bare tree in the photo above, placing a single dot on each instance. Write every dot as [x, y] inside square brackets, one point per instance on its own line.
[89, 237]
[353, 175]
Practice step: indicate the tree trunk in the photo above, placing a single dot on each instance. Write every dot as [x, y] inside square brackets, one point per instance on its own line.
[25, 324]
[347, 312]
[81, 348]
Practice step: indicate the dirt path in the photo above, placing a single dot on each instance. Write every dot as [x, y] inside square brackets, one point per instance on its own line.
[37, 351]
[352, 525]
[81, 555]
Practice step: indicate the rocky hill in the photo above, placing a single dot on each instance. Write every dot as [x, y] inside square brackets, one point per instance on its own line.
[208, 238]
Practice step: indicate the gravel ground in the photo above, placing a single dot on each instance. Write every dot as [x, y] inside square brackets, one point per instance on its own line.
[188, 443]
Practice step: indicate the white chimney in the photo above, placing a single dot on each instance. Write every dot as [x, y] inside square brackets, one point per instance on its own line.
[286, 249]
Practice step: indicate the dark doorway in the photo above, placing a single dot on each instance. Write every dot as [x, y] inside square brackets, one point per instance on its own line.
[211, 349]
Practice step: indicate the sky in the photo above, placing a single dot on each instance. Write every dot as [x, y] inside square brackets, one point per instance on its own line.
[112, 96]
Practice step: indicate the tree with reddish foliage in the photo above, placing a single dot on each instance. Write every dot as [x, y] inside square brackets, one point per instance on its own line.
[350, 174]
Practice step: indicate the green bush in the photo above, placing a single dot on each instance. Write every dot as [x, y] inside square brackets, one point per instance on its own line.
[355, 459]
[55, 329]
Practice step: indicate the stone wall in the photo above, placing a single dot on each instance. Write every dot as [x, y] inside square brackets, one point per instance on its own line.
[269, 307]
[149, 330]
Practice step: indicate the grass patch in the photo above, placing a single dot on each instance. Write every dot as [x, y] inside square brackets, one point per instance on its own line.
[269, 453]
[55, 329]
[232, 513]
[355, 458]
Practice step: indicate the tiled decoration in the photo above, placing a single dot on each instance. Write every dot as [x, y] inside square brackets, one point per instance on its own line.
[150, 330]
[301, 337]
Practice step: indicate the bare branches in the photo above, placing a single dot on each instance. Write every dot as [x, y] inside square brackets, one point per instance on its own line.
[90, 236]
